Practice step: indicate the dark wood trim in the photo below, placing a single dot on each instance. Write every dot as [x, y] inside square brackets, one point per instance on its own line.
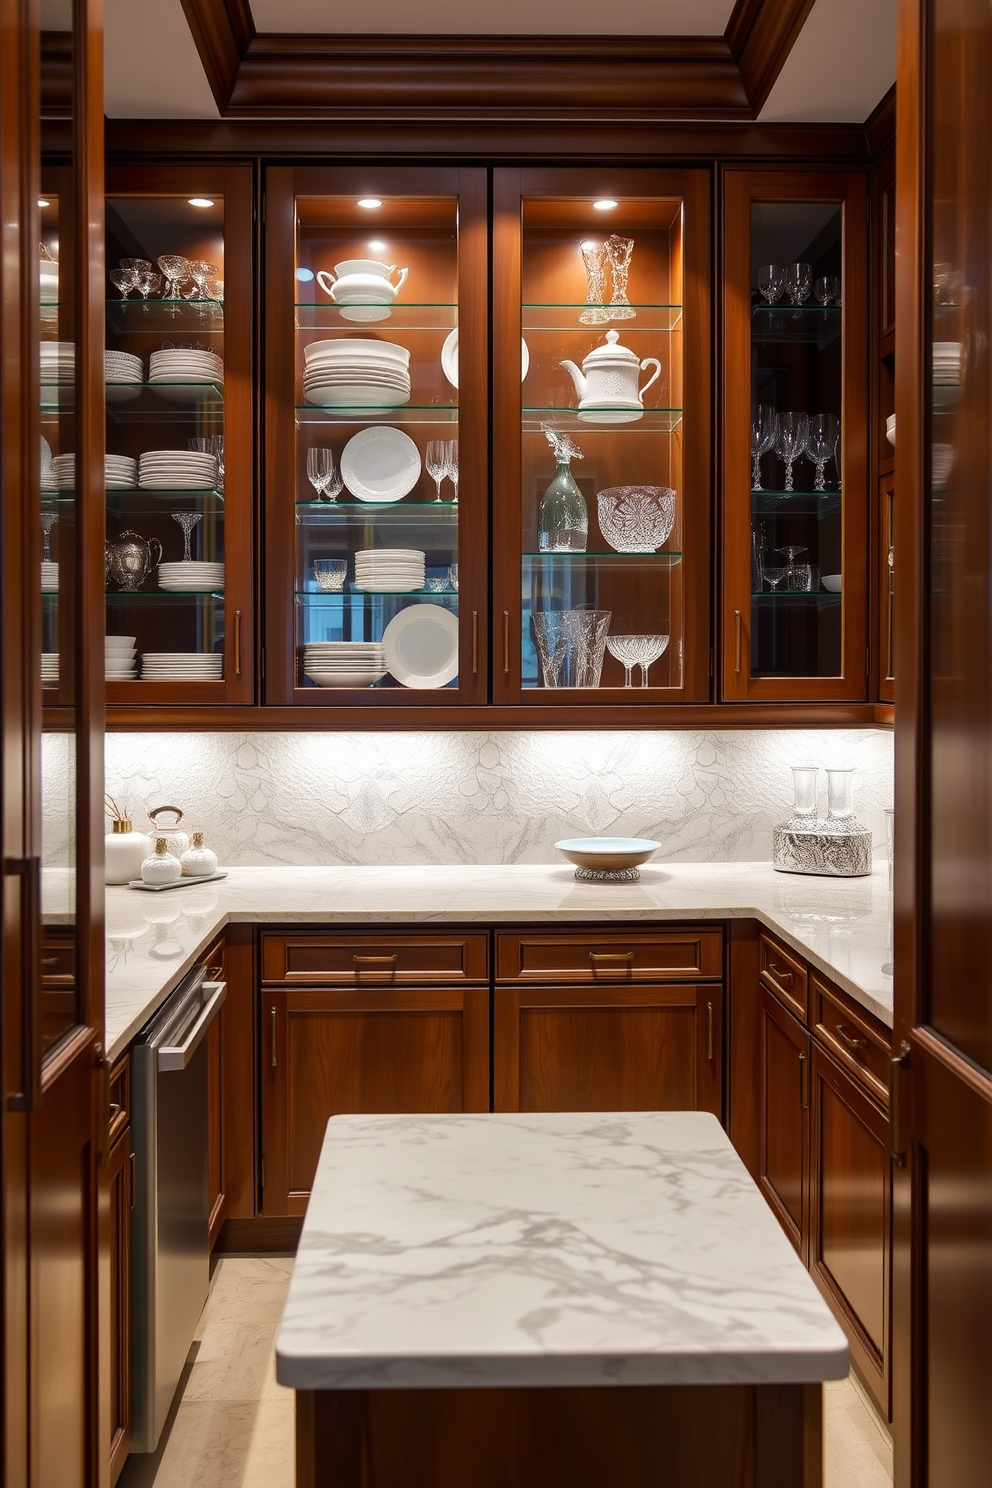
[223, 31]
[269, 1235]
[56, 75]
[880, 125]
[761, 34]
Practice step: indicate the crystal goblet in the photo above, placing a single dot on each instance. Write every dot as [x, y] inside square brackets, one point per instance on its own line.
[187, 521]
[791, 432]
[453, 576]
[200, 272]
[594, 258]
[771, 282]
[176, 270]
[762, 440]
[48, 521]
[798, 282]
[821, 443]
[618, 251]
[827, 289]
[774, 576]
[125, 280]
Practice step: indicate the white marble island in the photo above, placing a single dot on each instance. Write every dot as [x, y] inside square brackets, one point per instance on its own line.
[550, 1300]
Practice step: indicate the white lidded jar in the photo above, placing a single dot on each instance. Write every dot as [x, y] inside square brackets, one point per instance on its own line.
[198, 861]
[177, 840]
[162, 867]
[124, 849]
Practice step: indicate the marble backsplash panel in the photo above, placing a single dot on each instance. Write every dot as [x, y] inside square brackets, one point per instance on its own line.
[407, 798]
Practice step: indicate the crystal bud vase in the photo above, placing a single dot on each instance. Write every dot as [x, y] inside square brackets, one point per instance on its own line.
[562, 517]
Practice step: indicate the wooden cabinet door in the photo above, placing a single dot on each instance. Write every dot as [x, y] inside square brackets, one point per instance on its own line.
[850, 1197]
[333, 1051]
[784, 1086]
[116, 1179]
[624, 1048]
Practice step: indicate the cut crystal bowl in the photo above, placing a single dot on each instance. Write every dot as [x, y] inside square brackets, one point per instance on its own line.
[636, 519]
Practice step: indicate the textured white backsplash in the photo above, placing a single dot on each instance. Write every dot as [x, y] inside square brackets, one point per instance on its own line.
[410, 798]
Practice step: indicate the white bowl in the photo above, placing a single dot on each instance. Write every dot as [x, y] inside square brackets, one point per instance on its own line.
[119, 643]
[343, 679]
[890, 429]
[831, 582]
[608, 857]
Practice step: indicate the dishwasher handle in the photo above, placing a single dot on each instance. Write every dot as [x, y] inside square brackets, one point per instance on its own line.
[177, 1057]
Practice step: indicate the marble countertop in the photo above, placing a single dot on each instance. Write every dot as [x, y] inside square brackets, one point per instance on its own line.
[566, 1249]
[843, 927]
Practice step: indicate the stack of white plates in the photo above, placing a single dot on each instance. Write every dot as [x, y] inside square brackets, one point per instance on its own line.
[356, 374]
[176, 470]
[187, 666]
[947, 361]
[58, 361]
[49, 668]
[389, 570]
[120, 472]
[119, 657]
[182, 372]
[122, 373]
[49, 577]
[344, 663]
[190, 577]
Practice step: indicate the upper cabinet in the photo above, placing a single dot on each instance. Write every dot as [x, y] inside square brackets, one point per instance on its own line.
[179, 474]
[601, 440]
[376, 413]
[796, 411]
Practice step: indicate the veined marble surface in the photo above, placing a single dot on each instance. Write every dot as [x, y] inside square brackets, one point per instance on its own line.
[571, 1249]
[841, 926]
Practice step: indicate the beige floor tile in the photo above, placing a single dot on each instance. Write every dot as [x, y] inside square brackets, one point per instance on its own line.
[857, 1448]
[232, 1362]
[221, 1444]
[246, 1289]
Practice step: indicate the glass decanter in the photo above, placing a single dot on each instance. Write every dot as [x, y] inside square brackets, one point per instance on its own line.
[562, 516]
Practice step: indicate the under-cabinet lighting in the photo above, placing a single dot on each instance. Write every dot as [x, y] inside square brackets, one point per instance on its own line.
[588, 245]
[200, 201]
[43, 203]
[304, 275]
[377, 246]
[605, 204]
[370, 203]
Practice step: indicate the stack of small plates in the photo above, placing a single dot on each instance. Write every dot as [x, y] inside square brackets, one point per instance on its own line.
[176, 470]
[49, 577]
[389, 570]
[119, 654]
[185, 373]
[49, 668]
[190, 577]
[187, 666]
[946, 373]
[122, 373]
[120, 472]
[344, 663]
[58, 361]
[356, 374]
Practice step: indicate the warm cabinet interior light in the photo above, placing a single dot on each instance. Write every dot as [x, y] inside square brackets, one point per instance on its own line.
[377, 245]
[43, 203]
[605, 204]
[200, 201]
[370, 203]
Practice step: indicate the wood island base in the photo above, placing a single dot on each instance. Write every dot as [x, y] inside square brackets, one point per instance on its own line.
[655, 1436]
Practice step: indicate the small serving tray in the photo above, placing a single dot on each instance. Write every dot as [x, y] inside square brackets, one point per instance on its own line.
[177, 883]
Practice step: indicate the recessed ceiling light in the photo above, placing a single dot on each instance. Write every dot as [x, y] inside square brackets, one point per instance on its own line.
[43, 203]
[377, 245]
[605, 204]
[304, 275]
[370, 203]
[201, 201]
[587, 245]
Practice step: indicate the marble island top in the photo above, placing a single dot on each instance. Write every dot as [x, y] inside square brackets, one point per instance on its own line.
[526, 1250]
[843, 927]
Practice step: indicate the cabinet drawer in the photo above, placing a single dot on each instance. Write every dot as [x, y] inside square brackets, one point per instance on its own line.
[373, 960]
[610, 957]
[120, 1097]
[853, 1038]
[784, 974]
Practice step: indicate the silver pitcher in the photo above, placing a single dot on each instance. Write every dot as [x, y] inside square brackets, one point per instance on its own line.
[131, 559]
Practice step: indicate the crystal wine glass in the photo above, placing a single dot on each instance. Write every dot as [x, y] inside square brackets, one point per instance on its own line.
[771, 282]
[187, 521]
[451, 458]
[594, 258]
[791, 430]
[125, 280]
[176, 271]
[48, 520]
[798, 282]
[436, 461]
[827, 289]
[790, 552]
[762, 440]
[320, 464]
[774, 576]
[821, 444]
[618, 251]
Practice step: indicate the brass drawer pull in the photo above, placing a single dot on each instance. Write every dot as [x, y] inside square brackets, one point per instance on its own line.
[115, 1111]
[802, 1081]
[709, 1032]
[737, 641]
[475, 642]
[595, 956]
[846, 1038]
[506, 643]
[780, 971]
[273, 1038]
[376, 960]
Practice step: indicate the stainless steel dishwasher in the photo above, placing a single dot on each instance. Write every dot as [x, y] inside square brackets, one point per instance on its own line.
[170, 1234]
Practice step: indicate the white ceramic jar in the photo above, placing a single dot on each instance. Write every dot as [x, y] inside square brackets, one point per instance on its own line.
[162, 867]
[198, 861]
[124, 852]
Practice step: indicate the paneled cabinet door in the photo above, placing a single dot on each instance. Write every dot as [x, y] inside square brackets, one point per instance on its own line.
[784, 1096]
[631, 1048]
[117, 1180]
[850, 1197]
[794, 600]
[332, 1051]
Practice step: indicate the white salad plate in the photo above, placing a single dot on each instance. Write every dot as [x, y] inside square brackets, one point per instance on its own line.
[357, 395]
[449, 358]
[364, 347]
[421, 645]
[380, 464]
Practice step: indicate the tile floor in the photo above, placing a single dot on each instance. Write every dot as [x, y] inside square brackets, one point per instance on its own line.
[232, 1424]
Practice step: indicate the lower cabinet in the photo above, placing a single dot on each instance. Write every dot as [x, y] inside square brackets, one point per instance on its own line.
[783, 1084]
[117, 1199]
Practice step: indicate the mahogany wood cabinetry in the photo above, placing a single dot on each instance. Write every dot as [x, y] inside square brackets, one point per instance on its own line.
[117, 1199]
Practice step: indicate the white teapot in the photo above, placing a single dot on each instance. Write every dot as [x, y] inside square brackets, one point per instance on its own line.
[608, 383]
[364, 286]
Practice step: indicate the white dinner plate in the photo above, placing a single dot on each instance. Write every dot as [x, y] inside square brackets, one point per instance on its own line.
[449, 358]
[350, 346]
[357, 395]
[380, 464]
[421, 645]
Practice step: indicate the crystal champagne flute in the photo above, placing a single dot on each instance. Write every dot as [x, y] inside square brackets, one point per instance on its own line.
[436, 461]
[451, 460]
[320, 463]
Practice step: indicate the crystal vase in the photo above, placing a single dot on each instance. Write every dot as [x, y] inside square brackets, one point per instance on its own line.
[562, 517]
[837, 846]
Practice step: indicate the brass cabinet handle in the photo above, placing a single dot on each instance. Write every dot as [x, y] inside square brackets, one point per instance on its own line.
[376, 960]
[475, 642]
[780, 972]
[506, 643]
[898, 1068]
[802, 1082]
[737, 640]
[237, 643]
[115, 1111]
[103, 1065]
[709, 1032]
[273, 1038]
[595, 956]
[849, 1040]
[28, 1098]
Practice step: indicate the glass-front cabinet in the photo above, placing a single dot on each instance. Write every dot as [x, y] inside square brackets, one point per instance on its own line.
[376, 427]
[178, 471]
[601, 437]
[795, 559]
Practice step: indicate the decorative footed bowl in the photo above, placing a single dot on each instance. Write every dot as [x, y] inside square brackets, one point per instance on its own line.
[608, 859]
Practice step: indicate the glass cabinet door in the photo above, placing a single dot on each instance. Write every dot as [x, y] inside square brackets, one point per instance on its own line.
[178, 463]
[601, 437]
[377, 497]
[796, 419]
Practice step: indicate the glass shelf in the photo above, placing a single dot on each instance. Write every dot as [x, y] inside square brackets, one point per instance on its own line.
[160, 317]
[811, 325]
[159, 596]
[822, 598]
[795, 503]
[652, 421]
[606, 559]
[401, 317]
[398, 510]
[359, 596]
[313, 413]
[566, 317]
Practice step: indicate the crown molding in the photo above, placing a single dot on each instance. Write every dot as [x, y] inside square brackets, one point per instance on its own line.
[760, 35]
[880, 125]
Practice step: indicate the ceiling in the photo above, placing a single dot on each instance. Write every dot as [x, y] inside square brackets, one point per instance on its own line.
[841, 66]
